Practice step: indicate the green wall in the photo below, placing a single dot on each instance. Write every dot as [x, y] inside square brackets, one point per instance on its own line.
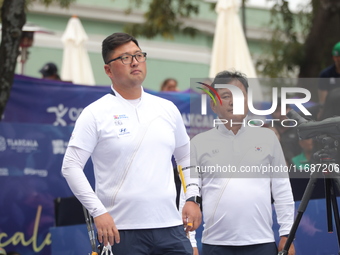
[158, 70]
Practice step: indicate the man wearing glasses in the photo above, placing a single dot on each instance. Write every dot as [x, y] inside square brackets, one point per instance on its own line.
[131, 137]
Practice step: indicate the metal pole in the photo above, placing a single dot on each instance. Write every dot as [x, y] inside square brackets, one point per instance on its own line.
[23, 58]
[244, 18]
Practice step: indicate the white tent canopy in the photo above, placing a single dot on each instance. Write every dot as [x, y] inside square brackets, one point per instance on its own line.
[76, 66]
[230, 49]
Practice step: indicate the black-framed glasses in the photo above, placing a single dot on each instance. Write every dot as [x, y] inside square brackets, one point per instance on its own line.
[128, 58]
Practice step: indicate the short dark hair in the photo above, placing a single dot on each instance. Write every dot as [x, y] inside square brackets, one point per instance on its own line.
[49, 69]
[113, 41]
[228, 76]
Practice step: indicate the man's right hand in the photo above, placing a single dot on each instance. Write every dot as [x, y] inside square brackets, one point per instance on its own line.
[191, 216]
[107, 230]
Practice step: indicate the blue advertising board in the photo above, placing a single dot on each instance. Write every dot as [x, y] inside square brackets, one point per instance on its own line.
[60, 103]
[30, 180]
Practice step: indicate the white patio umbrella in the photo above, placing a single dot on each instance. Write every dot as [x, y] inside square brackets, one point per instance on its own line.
[230, 49]
[76, 66]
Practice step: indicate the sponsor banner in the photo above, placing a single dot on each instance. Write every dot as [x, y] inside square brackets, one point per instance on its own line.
[60, 103]
[30, 179]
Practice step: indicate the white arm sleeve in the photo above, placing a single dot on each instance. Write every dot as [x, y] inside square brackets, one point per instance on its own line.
[193, 183]
[282, 193]
[72, 169]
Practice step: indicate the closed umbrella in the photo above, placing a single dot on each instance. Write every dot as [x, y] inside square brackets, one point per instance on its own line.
[230, 49]
[76, 66]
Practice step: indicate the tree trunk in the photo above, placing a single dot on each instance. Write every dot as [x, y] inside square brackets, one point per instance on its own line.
[320, 41]
[13, 18]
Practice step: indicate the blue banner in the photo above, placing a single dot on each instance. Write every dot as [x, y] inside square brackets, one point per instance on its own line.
[30, 179]
[34, 133]
[60, 103]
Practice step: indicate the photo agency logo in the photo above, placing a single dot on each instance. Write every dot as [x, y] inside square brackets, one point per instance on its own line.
[213, 95]
[238, 99]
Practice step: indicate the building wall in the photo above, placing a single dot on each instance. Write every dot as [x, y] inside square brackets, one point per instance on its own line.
[182, 58]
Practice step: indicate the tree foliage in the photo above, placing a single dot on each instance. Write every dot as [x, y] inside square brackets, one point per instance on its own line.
[165, 18]
[323, 35]
[285, 52]
[301, 42]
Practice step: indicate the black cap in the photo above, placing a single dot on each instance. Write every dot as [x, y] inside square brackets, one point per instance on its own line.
[49, 69]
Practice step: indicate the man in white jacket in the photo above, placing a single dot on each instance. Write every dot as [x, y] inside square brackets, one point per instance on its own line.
[236, 199]
[131, 136]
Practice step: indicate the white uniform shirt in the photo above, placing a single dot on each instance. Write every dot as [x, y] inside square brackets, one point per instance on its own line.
[236, 206]
[131, 148]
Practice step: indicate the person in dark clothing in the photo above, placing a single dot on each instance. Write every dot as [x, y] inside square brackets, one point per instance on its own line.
[329, 77]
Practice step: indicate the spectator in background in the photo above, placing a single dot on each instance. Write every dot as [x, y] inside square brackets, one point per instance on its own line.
[331, 72]
[50, 72]
[300, 177]
[237, 211]
[303, 159]
[169, 84]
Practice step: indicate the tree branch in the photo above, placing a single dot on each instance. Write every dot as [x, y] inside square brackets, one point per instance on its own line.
[13, 19]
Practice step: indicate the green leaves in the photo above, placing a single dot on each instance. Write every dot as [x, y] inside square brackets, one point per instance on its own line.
[62, 3]
[286, 46]
[165, 18]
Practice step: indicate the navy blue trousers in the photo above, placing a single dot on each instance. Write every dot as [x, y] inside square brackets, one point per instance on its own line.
[257, 249]
[159, 241]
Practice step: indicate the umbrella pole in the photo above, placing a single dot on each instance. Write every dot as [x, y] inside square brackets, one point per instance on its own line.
[23, 58]
[244, 18]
